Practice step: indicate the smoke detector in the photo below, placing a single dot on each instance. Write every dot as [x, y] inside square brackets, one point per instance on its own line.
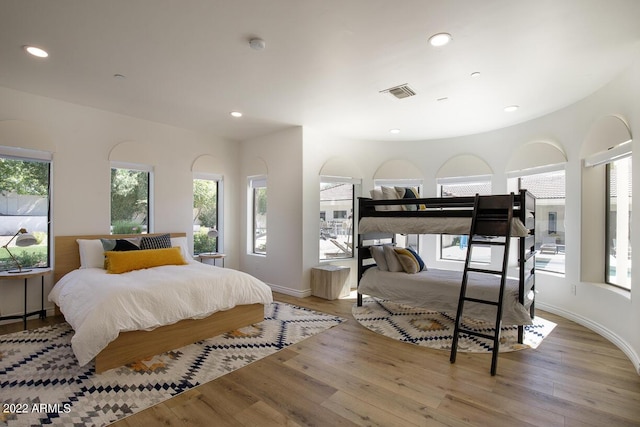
[257, 44]
[400, 92]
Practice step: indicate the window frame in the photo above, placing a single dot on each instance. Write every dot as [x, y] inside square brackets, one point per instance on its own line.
[608, 219]
[516, 177]
[473, 179]
[29, 155]
[150, 190]
[219, 226]
[325, 179]
[255, 183]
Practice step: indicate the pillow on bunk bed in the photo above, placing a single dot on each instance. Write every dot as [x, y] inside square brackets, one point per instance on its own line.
[408, 193]
[393, 263]
[377, 252]
[376, 194]
[410, 260]
[390, 193]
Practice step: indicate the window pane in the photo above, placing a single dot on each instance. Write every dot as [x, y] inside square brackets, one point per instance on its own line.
[454, 248]
[205, 215]
[260, 220]
[549, 189]
[336, 220]
[619, 199]
[24, 204]
[129, 201]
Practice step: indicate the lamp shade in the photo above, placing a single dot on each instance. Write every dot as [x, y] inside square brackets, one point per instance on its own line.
[212, 233]
[26, 240]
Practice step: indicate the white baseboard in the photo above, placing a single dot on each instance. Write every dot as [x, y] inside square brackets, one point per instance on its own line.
[597, 328]
[289, 291]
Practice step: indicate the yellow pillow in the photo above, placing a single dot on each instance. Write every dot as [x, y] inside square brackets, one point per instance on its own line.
[123, 261]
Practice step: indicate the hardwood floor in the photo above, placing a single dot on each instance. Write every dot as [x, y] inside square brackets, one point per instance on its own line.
[349, 375]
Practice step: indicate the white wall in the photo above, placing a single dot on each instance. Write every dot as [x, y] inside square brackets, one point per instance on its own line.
[279, 155]
[81, 139]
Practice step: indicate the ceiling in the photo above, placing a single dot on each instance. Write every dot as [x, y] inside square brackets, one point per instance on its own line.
[188, 63]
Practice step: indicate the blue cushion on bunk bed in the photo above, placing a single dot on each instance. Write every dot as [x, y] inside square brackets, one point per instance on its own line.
[408, 193]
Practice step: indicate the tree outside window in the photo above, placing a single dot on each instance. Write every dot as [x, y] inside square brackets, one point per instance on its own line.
[129, 201]
[24, 203]
[205, 215]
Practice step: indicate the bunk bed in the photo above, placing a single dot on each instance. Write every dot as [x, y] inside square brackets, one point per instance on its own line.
[382, 220]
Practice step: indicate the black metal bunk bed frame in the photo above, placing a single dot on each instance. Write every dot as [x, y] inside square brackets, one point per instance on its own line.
[461, 207]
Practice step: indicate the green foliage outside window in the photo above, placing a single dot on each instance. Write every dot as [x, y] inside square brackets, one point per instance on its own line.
[129, 200]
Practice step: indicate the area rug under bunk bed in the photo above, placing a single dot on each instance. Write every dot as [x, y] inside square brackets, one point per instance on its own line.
[434, 329]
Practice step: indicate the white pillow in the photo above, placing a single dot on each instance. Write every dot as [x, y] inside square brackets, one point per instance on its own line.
[393, 263]
[377, 252]
[91, 253]
[181, 242]
[390, 193]
[376, 194]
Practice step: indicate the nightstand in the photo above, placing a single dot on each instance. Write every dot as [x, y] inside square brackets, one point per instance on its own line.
[212, 255]
[26, 275]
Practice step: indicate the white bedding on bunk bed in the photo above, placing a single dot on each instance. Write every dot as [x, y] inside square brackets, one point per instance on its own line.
[439, 290]
[427, 225]
[99, 305]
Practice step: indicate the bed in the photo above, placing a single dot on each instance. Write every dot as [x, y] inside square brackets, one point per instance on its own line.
[440, 289]
[120, 318]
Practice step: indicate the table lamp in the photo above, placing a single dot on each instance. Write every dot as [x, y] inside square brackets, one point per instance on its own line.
[213, 233]
[23, 239]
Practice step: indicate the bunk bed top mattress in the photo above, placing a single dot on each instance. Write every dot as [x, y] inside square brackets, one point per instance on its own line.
[439, 290]
[427, 225]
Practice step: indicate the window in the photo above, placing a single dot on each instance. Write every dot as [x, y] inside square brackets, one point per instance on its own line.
[258, 203]
[618, 227]
[25, 200]
[207, 230]
[549, 190]
[130, 199]
[454, 248]
[336, 218]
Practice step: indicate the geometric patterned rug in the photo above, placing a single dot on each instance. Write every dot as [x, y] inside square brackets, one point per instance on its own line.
[42, 384]
[432, 329]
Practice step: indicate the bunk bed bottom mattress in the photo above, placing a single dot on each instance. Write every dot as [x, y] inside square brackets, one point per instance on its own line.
[439, 290]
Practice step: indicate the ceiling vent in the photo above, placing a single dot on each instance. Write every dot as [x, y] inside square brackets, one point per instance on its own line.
[402, 91]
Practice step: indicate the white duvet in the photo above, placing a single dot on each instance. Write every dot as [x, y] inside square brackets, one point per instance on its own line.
[99, 305]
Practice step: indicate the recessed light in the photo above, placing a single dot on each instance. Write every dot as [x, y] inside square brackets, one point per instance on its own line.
[444, 98]
[475, 74]
[394, 131]
[439, 39]
[511, 108]
[236, 114]
[119, 76]
[36, 51]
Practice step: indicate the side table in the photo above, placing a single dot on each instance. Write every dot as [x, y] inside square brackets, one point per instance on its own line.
[212, 255]
[26, 275]
[330, 281]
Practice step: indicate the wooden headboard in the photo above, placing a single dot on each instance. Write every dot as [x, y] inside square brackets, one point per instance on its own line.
[67, 253]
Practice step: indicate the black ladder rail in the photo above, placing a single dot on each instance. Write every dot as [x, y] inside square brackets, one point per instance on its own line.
[492, 216]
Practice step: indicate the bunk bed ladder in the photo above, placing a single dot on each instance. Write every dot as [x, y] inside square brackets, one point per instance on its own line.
[492, 216]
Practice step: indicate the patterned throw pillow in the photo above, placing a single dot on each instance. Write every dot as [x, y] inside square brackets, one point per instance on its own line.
[161, 241]
[132, 244]
[410, 260]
